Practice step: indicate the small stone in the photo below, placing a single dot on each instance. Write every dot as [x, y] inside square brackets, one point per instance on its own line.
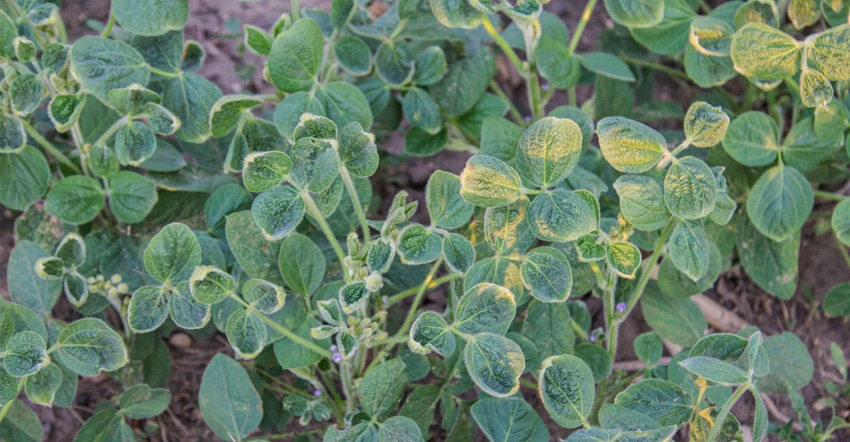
[180, 340]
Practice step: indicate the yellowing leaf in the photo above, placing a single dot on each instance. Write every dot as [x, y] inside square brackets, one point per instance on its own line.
[830, 52]
[629, 146]
[761, 51]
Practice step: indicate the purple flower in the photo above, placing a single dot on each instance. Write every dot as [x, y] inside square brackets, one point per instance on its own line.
[337, 357]
[621, 307]
[527, 118]
[546, 86]
[317, 393]
[334, 347]
[592, 338]
[385, 300]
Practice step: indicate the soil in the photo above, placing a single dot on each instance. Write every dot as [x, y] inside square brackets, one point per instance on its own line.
[214, 23]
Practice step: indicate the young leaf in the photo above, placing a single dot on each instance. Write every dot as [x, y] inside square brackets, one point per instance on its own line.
[41, 387]
[278, 211]
[173, 253]
[629, 146]
[258, 41]
[131, 197]
[815, 88]
[228, 111]
[829, 51]
[752, 139]
[560, 216]
[142, 402]
[705, 125]
[65, 110]
[186, 311]
[431, 333]
[548, 150]
[446, 207]
[295, 56]
[353, 295]
[87, 346]
[151, 17]
[690, 189]
[458, 253]
[662, 401]
[780, 202]
[71, 250]
[418, 245]
[763, 52]
[642, 201]
[715, 370]
[302, 264]
[624, 257]
[567, 388]
[495, 363]
[489, 182]
[131, 99]
[229, 403]
[381, 388]
[148, 309]
[677, 320]
[509, 419]
[76, 289]
[12, 134]
[772, 265]
[101, 65]
[357, 150]
[210, 285]
[547, 274]
[76, 199]
[485, 308]
[246, 332]
[26, 353]
[265, 170]
[315, 164]
[25, 93]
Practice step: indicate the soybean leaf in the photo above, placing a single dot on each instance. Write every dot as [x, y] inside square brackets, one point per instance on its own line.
[791, 365]
[380, 256]
[606, 65]
[642, 201]
[418, 245]
[315, 164]
[629, 146]
[301, 264]
[420, 406]
[186, 311]
[648, 347]
[12, 134]
[24, 177]
[277, 212]
[399, 428]
[551, 329]
[556, 64]
[353, 295]
[828, 52]
[246, 332]
[560, 216]
[131, 197]
[76, 199]
[293, 355]
[763, 52]
[771, 264]
[64, 110]
[456, 14]
[458, 253]
[265, 170]
[210, 285]
[381, 388]
[485, 308]
[25, 286]
[430, 66]
[446, 207]
[679, 285]
[191, 97]
[596, 358]
[295, 56]
[148, 309]
[715, 370]
[837, 300]
[106, 425]
[141, 401]
[752, 139]
[489, 182]
[454, 93]
[547, 274]
[25, 93]
[509, 419]
[689, 249]
[495, 363]
[229, 403]
[662, 401]
[227, 111]
[671, 34]
[431, 333]
[690, 189]
[288, 113]
[421, 110]
[344, 103]
[26, 353]
[102, 65]
[353, 54]
[548, 150]
[256, 255]
[173, 253]
[225, 200]
[567, 388]
[41, 387]
[151, 17]
[357, 150]
[499, 138]
[705, 125]
[624, 258]
[677, 320]
[506, 228]
[780, 202]
[815, 88]
[87, 346]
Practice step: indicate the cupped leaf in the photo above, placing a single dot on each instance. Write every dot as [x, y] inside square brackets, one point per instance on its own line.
[135, 142]
[418, 245]
[829, 52]
[49, 267]
[76, 199]
[278, 211]
[228, 110]
[489, 182]
[635, 13]
[642, 201]
[705, 125]
[210, 285]
[12, 134]
[302, 264]
[815, 88]
[295, 56]
[446, 207]
[76, 289]
[131, 99]
[509, 419]
[148, 309]
[567, 388]
[186, 311]
[763, 52]
[560, 216]
[456, 14]
[690, 188]
[131, 197]
[780, 202]
[265, 170]
[229, 403]
[458, 253]
[25, 93]
[663, 401]
[173, 253]
[431, 333]
[101, 65]
[352, 296]
[88, 346]
[495, 363]
[41, 387]
[485, 308]
[357, 150]
[548, 150]
[547, 274]
[315, 164]
[380, 256]
[246, 332]
[26, 353]
[624, 257]
[629, 146]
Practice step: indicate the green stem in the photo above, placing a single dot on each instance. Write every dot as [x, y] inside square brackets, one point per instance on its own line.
[296, 11]
[656, 66]
[347, 386]
[402, 295]
[610, 319]
[585, 17]
[670, 156]
[320, 219]
[727, 407]
[286, 332]
[830, 196]
[116, 304]
[110, 132]
[653, 260]
[49, 147]
[534, 95]
[512, 108]
[293, 435]
[843, 251]
[419, 295]
[393, 340]
[355, 201]
[398, 30]
[750, 97]
[8, 405]
[109, 24]
[527, 383]
[573, 96]
[79, 141]
[162, 73]
[506, 48]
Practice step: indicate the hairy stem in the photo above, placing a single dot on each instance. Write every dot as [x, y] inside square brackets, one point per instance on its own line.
[320, 219]
[830, 196]
[286, 332]
[653, 261]
[503, 45]
[51, 149]
[511, 107]
[109, 24]
[355, 201]
[419, 294]
[727, 407]
[613, 324]
[402, 295]
[585, 17]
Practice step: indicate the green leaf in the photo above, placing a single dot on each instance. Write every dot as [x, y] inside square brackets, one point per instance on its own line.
[76, 289]
[828, 51]
[421, 110]
[509, 419]
[629, 146]
[456, 14]
[148, 309]
[106, 425]
[25, 286]
[458, 253]
[677, 320]
[500, 137]
[49, 267]
[418, 245]
[815, 88]
[634, 13]
[264, 296]
[690, 189]
[791, 366]
[556, 64]
[258, 41]
[548, 150]
[689, 249]
[420, 406]
[131, 197]
[357, 150]
[25, 93]
[431, 333]
[191, 97]
[246, 332]
[596, 358]
[837, 300]
[315, 126]
[763, 52]
[224, 200]
[780, 202]
[430, 66]
[26, 353]
[394, 63]
[296, 56]
[151, 17]
[560, 216]
[278, 211]
[293, 355]
[567, 388]
[24, 177]
[454, 93]
[257, 256]
[301, 264]
[771, 264]
[353, 54]
[210, 285]
[288, 113]
[8, 32]
[624, 258]
[705, 125]
[380, 256]
[344, 103]
[547, 274]
[76, 199]
[715, 370]
[173, 253]
[648, 347]
[163, 52]
[228, 111]
[104, 162]
[229, 403]
[495, 363]
[315, 164]
[381, 388]
[87, 346]
[399, 429]
[135, 142]
[102, 65]
[663, 401]
[642, 201]
[41, 387]
[265, 170]
[142, 402]
[830, 121]
[446, 207]
[353, 295]
[752, 139]
[131, 99]
[505, 227]
[186, 311]
[550, 330]
[12, 134]
[679, 285]
[485, 308]
[671, 34]
[21, 423]
[489, 182]
[606, 65]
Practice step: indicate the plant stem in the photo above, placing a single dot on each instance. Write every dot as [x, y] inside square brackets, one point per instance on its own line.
[115, 302]
[290, 435]
[109, 24]
[49, 147]
[585, 17]
[653, 260]
[347, 386]
[843, 251]
[393, 340]
[8, 405]
[511, 107]
[320, 219]
[355, 201]
[830, 196]
[296, 11]
[573, 97]
[612, 323]
[402, 295]
[284, 331]
[727, 407]
[656, 66]
[419, 294]
[111, 131]
[162, 73]
[506, 48]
